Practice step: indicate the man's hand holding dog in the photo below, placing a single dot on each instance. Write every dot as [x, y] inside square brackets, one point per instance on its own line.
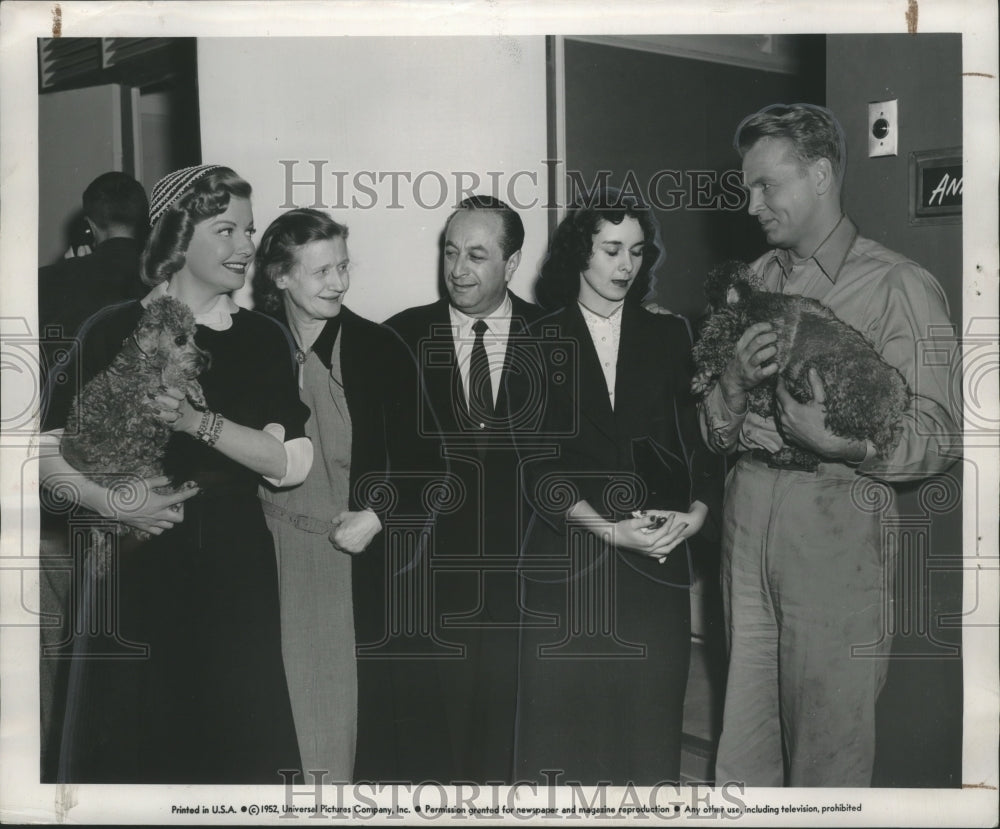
[750, 364]
[805, 424]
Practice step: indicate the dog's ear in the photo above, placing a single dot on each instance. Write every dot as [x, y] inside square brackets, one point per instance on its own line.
[147, 337]
[753, 280]
[715, 286]
[723, 279]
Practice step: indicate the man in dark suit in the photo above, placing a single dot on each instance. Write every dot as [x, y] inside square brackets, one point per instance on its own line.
[461, 344]
[115, 210]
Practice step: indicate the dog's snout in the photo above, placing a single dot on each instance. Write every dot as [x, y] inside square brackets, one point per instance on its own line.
[201, 359]
[191, 359]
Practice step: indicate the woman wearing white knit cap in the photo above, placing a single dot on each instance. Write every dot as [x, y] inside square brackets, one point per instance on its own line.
[209, 703]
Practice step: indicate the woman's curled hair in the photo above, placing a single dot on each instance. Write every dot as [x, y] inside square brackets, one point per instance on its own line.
[573, 245]
[170, 235]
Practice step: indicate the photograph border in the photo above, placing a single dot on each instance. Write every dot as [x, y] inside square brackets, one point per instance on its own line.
[23, 799]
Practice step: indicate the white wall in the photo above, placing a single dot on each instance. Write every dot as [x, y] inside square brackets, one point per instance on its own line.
[157, 111]
[417, 105]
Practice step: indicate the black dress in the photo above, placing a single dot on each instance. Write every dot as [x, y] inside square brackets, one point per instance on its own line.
[605, 635]
[208, 703]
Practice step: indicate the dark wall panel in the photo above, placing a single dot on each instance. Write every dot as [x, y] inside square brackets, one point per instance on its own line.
[924, 73]
[920, 712]
[641, 112]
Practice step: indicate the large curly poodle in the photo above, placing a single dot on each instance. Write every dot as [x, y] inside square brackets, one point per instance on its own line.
[111, 430]
[865, 396]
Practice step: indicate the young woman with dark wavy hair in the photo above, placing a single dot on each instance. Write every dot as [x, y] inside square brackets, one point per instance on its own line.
[619, 483]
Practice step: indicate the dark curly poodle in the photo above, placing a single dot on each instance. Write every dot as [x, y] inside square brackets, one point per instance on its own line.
[111, 431]
[865, 396]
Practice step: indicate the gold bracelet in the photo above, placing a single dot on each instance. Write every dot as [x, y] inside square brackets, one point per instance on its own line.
[203, 426]
[216, 430]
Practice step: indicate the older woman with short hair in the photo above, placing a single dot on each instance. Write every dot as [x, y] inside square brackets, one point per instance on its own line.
[360, 384]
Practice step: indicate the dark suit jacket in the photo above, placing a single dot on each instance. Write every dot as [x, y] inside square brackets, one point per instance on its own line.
[71, 290]
[485, 463]
[645, 453]
[611, 708]
[426, 329]
[474, 603]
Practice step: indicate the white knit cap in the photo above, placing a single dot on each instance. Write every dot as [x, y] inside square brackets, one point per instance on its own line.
[170, 188]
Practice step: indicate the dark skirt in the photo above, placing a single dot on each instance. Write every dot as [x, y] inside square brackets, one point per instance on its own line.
[601, 686]
[189, 685]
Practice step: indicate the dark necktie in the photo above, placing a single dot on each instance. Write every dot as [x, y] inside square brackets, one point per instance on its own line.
[480, 387]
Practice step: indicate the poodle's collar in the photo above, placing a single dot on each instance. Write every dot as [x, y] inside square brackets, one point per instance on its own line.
[219, 317]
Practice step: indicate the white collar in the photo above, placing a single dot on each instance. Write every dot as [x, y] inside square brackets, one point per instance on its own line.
[498, 320]
[614, 319]
[219, 317]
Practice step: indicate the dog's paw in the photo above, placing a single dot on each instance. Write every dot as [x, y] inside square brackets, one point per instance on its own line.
[196, 396]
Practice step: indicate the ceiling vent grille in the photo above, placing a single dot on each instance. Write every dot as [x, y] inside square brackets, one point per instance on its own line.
[63, 61]
[114, 50]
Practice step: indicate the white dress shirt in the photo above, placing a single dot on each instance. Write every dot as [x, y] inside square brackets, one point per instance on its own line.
[606, 332]
[494, 341]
